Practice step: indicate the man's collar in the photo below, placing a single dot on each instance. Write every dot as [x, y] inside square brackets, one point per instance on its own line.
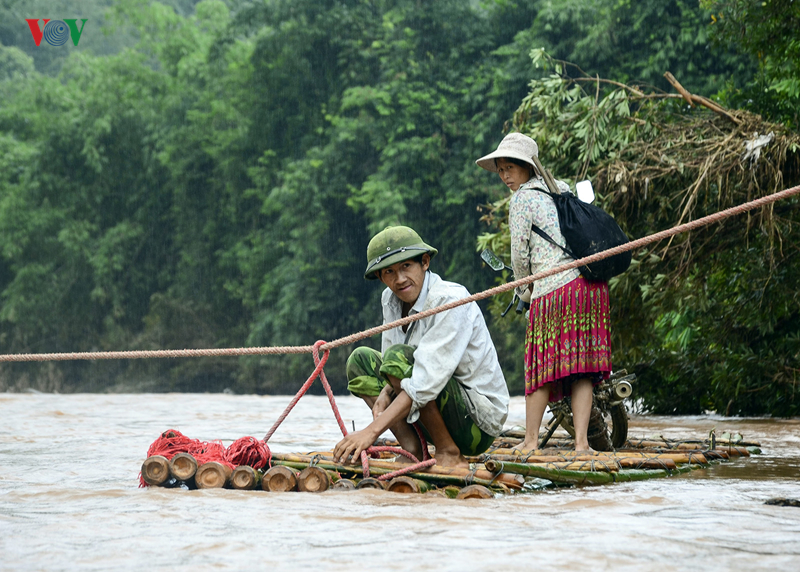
[419, 304]
[423, 295]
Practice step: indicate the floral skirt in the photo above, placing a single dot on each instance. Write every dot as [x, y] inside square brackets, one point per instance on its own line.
[568, 338]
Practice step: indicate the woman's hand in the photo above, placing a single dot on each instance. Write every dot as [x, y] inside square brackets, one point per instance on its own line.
[352, 445]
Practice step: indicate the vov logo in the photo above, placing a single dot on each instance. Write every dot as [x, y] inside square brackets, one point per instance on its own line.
[56, 32]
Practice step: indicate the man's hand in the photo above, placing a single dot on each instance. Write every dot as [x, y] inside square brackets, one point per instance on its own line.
[352, 445]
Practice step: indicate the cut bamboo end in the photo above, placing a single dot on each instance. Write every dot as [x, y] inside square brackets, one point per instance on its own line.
[155, 470]
[313, 480]
[475, 492]
[345, 484]
[183, 466]
[371, 483]
[404, 484]
[279, 479]
[452, 491]
[245, 478]
[212, 475]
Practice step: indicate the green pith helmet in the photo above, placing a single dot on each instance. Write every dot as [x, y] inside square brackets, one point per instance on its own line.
[392, 245]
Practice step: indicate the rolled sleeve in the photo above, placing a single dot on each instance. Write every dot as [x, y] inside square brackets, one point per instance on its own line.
[436, 358]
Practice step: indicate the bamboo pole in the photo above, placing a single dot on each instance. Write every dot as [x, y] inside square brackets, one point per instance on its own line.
[573, 477]
[155, 470]
[637, 462]
[543, 456]
[183, 466]
[245, 478]
[734, 451]
[212, 475]
[345, 484]
[371, 483]
[279, 479]
[449, 474]
[692, 458]
[475, 492]
[313, 480]
[459, 480]
[404, 484]
[650, 444]
[452, 491]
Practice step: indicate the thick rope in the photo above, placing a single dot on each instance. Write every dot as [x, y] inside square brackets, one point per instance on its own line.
[248, 450]
[567, 266]
[320, 372]
[327, 346]
[320, 364]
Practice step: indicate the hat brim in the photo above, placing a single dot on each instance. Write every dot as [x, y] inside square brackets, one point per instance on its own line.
[489, 161]
[412, 252]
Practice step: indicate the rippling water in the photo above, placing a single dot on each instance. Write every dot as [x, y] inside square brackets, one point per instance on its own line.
[69, 500]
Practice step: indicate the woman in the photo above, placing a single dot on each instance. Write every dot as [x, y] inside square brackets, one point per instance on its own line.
[567, 348]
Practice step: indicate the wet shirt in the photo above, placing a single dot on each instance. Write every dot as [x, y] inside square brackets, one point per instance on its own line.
[455, 343]
[530, 253]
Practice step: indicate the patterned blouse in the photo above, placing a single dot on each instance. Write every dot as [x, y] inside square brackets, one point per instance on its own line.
[530, 253]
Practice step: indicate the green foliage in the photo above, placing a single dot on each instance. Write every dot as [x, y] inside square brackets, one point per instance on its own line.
[708, 320]
[208, 175]
[766, 30]
[631, 40]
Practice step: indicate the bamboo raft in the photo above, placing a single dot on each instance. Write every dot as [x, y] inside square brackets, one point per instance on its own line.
[503, 469]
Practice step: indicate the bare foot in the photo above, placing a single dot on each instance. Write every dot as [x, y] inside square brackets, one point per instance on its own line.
[451, 460]
[527, 446]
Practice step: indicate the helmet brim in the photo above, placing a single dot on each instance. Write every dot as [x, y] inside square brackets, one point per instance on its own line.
[399, 255]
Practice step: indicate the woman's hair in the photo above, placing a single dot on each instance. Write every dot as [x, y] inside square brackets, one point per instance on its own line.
[519, 162]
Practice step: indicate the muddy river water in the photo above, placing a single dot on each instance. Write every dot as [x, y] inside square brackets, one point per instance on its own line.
[69, 500]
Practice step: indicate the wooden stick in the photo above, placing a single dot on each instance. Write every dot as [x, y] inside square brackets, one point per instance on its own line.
[475, 492]
[212, 475]
[245, 478]
[692, 99]
[313, 480]
[183, 466]
[279, 479]
[155, 470]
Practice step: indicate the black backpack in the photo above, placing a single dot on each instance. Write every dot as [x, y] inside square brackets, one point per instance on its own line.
[588, 230]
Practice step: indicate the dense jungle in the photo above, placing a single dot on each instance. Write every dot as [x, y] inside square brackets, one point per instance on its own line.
[208, 174]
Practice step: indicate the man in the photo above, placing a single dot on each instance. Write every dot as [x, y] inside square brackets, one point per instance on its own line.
[441, 371]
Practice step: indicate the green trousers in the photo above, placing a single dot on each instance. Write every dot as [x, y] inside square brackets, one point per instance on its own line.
[366, 376]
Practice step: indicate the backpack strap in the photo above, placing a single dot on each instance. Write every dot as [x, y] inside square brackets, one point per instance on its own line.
[546, 236]
[549, 239]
